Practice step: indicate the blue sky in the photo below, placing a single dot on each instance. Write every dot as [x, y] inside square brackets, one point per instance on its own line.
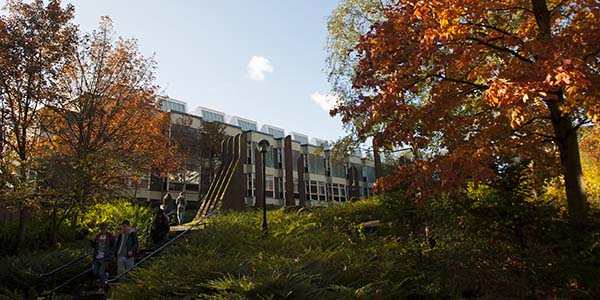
[204, 48]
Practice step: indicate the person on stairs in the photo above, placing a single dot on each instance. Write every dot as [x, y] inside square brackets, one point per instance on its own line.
[103, 244]
[169, 207]
[160, 227]
[127, 246]
[181, 203]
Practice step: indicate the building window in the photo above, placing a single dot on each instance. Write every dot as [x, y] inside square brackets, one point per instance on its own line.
[250, 184]
[246, 126]
[322, 194]
[316, 165]
[281, 192]
[269, 158]
[279, 158]
[336, 191]
[300, 138]
[337, 169]
[369, 173]
[276, 133]
[296, 189]
[305, 163]
[269, 185]
[314, 192]
[212, 117]
[174, 106]
[249, 153]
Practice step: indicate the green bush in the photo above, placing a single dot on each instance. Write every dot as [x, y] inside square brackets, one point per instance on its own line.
[114, 212]
[466, 252]
[21, 275]
[37, 234]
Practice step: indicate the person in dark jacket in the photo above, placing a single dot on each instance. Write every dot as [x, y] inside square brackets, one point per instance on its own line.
[160, 227]
[126, 247]
[103, 244]
[168, 205]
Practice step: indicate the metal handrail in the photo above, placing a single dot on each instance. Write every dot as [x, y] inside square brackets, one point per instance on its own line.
[66, 265]
[169, 242]
[52, 291]
[143, 227]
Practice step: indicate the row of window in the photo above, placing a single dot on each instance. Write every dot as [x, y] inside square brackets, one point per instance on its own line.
[212, 116]
[315, 190]
[313, 164]
[174, 106]
[246, 126]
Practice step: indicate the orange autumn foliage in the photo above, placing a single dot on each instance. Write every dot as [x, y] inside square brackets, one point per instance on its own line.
[112, 128]
[473, 84]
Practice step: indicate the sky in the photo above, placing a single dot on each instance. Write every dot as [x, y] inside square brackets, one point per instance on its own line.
[261, 60]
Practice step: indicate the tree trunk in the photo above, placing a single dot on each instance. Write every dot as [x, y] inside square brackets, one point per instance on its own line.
[74, 220]
[568, 146]
[53, 227]
[22, 206]
[22, 230]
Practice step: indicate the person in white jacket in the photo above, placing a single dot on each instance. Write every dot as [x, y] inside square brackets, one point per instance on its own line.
[181, 203]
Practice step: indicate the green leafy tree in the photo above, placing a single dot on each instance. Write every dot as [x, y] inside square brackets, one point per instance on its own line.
[473, 84]
[37, 41]
[111, 128]
[199, 149]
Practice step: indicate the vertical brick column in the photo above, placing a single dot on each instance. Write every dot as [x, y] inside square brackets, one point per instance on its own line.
[301, 185]
[258, 167]
[289, 172]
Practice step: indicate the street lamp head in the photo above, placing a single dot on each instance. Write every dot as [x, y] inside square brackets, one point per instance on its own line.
[263, 146]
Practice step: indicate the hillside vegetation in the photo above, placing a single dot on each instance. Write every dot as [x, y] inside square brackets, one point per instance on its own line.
[475, 246]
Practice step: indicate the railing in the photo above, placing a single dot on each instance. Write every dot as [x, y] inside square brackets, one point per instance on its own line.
[143, 227]
[65, 265]
[57, 288]
[159, 249]
[60, 268]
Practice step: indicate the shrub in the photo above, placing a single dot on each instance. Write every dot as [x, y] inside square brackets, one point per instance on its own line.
[466, 252]
[20, 275]
[114, 212]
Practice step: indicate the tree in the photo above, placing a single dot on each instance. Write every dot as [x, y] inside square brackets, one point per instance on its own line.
[199, 149]
[212, 135]
[36, 41]
[186, 146]
[590, 154]
[346, 24]
[111, 128]
[473, 84]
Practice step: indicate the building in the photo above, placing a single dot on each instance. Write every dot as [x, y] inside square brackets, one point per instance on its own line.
[299, 171]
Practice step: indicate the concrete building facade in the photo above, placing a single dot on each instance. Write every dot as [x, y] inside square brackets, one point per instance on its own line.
[300, 171]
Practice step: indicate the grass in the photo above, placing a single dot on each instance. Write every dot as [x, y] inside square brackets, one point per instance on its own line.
[20, 275]
[328, 254]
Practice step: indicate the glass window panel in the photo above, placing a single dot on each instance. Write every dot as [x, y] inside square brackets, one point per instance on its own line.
[269, 183]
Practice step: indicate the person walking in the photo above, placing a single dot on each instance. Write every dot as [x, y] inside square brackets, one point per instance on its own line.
[103, 244]
[160, 227]
[181, 203]
[168, 206]
[127, 246]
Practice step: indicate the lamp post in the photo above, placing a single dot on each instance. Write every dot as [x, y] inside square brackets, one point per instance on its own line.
[263, 147]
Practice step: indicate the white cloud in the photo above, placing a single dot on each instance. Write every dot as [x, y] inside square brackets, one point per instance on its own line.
[325, 101]
[258, 66]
